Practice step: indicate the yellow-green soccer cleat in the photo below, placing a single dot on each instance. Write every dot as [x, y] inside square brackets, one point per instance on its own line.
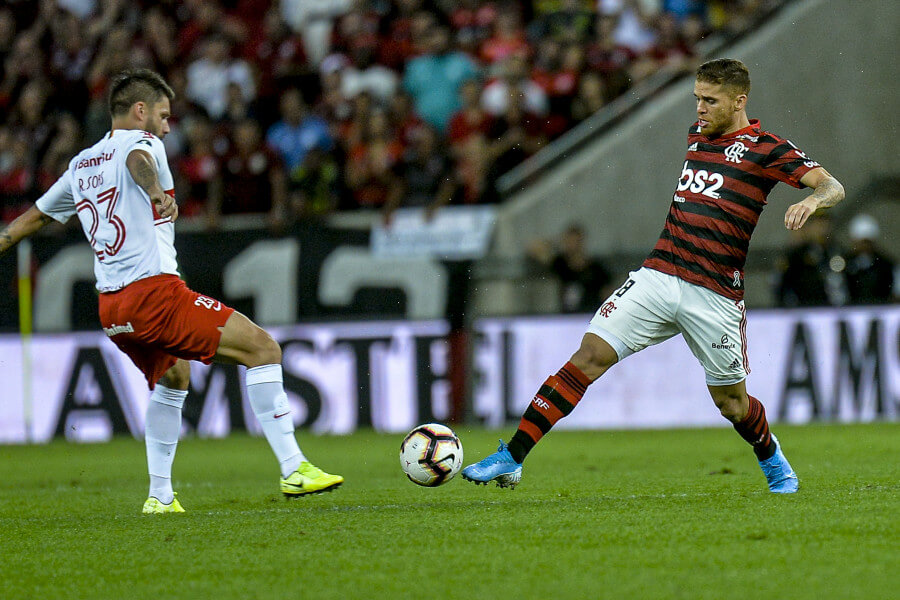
[309, 479]
[154, 507]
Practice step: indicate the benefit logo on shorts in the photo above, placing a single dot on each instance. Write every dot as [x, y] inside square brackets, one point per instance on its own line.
[725, 343]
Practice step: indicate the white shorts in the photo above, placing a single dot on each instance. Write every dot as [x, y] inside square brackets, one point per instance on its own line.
[652, 307]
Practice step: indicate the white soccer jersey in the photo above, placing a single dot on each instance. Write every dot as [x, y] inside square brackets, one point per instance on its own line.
[129, 238]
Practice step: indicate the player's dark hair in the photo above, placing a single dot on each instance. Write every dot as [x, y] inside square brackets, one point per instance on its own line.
[136, 85]
[725, 71]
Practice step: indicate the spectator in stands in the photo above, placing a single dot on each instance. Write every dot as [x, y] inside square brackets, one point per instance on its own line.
[517, 134]
[24, 64]
[507, 38]
[198, 174]
[204, 20]
[332, 105]
[64, 144]
[633, 23]
[568, 22]
[69, 59]
[426, 172]
[357, 28]
[7, 36]
[684, 9]
[252, 179]
[476, 176]
[472, 22]
[470, 119]
[810, 271]
[353, 130]
[17, 175]
[546, 60]
[397, 44]
[363, 74]
[237, 107]
[693, 30]
[590, 97]
[158, 35]
[208, 77]
[434, 78]
[584, 280]
[404, 117]
[669, 52]
[313, 21]
[515, 75]
[372, 165]
[112, 57]
[315, 186]
[297, 132]
[609, 58]
[279, 58]
[869, 271]
[561, 86]
[31, 116]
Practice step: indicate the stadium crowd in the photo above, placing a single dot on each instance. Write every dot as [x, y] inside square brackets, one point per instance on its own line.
[299, 108]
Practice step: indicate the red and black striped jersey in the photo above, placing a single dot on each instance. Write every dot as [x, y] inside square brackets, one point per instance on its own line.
[720, 195]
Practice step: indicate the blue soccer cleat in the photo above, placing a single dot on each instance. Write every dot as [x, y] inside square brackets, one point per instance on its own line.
[778, 472]
[499, 466]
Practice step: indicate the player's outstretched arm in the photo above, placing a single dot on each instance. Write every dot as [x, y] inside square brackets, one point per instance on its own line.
[24, 226]
[827, 191]
[143, 170]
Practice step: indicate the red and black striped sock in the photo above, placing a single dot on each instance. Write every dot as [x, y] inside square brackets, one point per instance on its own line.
[755, 429]
[556, 398]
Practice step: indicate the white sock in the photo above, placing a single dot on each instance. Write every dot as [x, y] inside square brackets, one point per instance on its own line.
[161, 432]
[265, 389]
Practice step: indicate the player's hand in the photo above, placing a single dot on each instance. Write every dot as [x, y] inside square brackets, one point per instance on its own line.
[165, 204]
[797, 214]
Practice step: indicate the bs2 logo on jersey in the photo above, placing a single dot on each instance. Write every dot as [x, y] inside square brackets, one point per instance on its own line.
[700, 181]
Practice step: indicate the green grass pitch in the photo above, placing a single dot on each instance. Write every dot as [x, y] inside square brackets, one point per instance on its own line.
[646, 514]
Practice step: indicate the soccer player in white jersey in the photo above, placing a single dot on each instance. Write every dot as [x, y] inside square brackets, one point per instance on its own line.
[122, 192]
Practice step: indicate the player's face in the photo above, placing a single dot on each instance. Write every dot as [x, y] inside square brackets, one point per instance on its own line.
[157, 120]
[718, 108]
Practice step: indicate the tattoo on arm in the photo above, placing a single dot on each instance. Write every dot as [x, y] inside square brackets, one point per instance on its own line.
[143, 171]
[22, 227]
[828, 193]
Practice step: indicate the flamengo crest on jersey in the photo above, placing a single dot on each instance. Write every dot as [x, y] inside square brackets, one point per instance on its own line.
[720, 194]
[130, 240]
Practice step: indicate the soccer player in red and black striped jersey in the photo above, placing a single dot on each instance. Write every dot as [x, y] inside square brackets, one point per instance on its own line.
[692, 283]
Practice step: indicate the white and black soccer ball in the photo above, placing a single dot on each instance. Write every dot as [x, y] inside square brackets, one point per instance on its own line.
[431, 454]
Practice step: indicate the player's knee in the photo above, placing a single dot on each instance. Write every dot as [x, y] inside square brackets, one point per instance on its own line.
[731, 406]
[178, 377]
[594, 357]
[266, 351]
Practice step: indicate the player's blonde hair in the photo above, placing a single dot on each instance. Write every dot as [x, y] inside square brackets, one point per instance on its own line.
[726, 71]
[136, 85]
